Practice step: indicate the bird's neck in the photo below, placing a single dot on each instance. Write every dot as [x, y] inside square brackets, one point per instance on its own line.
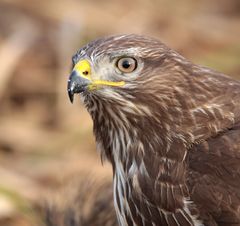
[146, 162]
[149, 179]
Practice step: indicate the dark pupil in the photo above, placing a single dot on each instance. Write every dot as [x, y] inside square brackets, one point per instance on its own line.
[126, 64]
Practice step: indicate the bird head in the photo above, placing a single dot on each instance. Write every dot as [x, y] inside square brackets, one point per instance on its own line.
[117, 66]
[130, 83]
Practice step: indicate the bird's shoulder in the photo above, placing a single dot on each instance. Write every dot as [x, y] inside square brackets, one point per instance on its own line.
[214, 177]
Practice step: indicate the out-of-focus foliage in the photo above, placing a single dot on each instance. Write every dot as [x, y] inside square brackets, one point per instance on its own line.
[44, 140]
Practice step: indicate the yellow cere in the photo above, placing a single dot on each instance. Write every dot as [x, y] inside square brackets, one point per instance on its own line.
[83, 67]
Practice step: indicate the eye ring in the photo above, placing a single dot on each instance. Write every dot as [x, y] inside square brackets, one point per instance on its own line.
[127, 64]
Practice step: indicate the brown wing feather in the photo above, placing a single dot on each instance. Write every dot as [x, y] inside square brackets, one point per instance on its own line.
[214, 178]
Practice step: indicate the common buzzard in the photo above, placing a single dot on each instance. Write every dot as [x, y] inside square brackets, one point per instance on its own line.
[170, 128]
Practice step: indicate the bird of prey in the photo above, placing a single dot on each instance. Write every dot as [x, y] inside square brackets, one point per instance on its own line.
[169, 127]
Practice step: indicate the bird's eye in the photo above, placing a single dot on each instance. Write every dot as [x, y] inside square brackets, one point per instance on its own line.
[127, 64]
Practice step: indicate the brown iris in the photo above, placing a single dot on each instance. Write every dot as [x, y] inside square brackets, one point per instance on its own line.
[127, 64]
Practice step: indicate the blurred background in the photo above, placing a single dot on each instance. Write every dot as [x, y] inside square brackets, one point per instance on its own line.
[45, 142]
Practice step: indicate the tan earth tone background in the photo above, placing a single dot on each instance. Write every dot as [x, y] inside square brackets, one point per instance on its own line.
[46, 142]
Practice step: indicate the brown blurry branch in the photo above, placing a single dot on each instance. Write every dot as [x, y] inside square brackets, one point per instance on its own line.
[13, 48]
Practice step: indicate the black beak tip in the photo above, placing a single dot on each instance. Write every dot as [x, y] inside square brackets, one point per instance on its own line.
[71, 95]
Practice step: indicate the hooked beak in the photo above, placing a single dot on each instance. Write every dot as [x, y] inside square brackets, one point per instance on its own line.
[76, 84]
[81, 80]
